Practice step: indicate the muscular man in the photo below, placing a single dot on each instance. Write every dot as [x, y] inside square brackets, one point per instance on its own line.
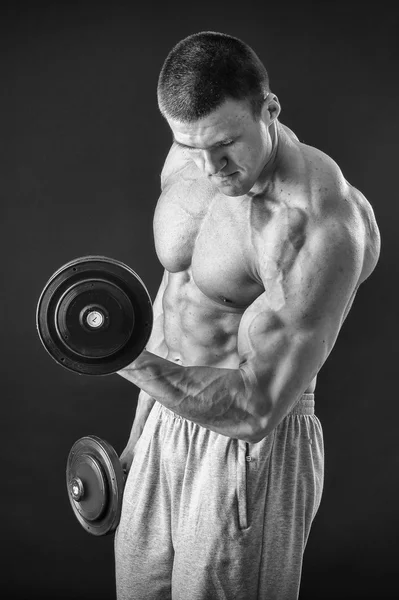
[264, 245]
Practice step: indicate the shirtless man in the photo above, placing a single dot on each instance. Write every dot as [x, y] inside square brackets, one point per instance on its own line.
[264, 245]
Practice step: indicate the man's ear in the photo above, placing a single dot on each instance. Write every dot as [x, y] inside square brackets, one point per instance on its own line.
[271, 108]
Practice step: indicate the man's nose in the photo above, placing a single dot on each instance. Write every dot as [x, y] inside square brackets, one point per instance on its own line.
[213, 162]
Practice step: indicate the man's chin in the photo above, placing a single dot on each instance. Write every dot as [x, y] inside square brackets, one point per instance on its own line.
[234, 190]
[232, 187]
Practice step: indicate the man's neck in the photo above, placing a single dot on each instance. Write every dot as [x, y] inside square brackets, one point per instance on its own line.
[269, 168]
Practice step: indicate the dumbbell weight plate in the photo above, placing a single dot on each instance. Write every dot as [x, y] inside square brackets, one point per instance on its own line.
[95, 482]
[94, 315]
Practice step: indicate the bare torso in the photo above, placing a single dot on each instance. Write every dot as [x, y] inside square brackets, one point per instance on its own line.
[213, 247]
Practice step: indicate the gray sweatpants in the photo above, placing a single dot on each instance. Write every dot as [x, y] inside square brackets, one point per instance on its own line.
[207, 517]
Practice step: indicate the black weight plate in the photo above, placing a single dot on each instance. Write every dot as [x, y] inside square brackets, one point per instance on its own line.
[94, 318]
[94, 315]
[95, 482]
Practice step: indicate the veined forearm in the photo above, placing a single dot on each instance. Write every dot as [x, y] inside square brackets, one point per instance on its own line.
[218, 399]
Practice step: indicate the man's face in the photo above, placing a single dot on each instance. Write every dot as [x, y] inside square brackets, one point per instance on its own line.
[229, 146]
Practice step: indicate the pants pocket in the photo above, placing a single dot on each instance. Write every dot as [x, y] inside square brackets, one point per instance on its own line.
[242, 495]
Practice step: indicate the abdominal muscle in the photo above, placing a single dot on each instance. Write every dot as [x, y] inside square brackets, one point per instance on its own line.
[198, 330]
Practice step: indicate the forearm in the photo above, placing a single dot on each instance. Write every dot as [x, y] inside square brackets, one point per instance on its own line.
[222, 400]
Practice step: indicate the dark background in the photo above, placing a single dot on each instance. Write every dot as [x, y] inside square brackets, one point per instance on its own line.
[82, 146]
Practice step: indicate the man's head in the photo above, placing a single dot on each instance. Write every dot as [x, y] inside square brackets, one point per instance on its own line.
[214, 92]
[204, 70]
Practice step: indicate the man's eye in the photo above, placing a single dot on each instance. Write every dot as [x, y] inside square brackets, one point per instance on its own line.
[228, 143]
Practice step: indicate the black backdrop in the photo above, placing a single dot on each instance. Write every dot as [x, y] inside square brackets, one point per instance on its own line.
[82, 146]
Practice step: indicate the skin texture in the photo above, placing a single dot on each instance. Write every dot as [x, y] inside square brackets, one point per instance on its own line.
[264, 245]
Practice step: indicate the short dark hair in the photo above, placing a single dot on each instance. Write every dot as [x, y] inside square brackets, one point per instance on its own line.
[205, 69]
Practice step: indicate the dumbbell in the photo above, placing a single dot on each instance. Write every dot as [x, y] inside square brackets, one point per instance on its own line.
[94, 317]
[95, 482]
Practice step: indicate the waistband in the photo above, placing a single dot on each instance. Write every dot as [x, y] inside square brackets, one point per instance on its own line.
[304, 406]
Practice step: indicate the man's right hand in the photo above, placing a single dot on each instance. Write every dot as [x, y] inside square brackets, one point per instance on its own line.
[126, 458]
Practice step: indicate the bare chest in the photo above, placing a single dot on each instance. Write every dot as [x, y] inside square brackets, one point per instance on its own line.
[215, 246]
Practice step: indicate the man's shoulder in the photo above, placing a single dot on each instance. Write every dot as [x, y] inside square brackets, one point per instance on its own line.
[184, 190]
[324, 180]
[312, 179]
[181, 179]
[324, 211]
[179, 169]
[326, 192]
[339, 213]
[176, 163]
